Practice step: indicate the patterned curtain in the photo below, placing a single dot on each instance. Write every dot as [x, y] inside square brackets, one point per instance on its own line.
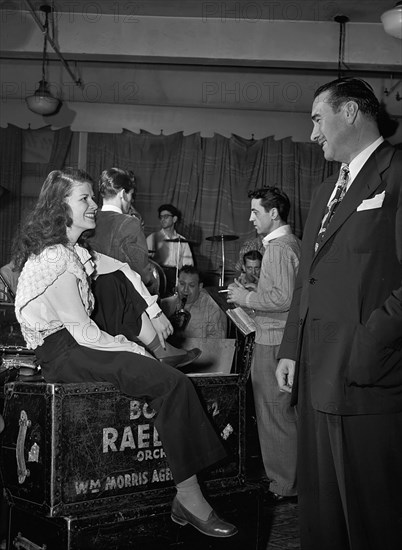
[13, 205]
[10, 191]
[208, 179]
[60, 149]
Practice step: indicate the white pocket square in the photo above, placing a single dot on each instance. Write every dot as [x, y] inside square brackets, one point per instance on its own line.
[370, 204]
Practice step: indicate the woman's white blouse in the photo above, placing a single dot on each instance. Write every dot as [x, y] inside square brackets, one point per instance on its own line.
[53, 293]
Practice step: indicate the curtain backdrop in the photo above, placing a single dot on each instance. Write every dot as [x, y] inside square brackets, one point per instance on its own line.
[10, 182]
[13, 204]
[60, 149]
[208, 179]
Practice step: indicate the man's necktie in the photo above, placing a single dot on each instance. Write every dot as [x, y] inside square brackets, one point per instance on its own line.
[341, 187]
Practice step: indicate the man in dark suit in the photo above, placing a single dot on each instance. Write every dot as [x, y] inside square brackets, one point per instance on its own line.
[342, 348]
[123, 304]
[121, 237]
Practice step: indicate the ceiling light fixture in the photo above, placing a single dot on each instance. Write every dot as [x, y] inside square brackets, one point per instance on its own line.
[42, 102]
[342, 20]
[392, 21]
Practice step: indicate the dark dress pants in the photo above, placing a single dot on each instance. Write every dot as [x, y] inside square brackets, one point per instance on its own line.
[189, 440]
[118, 305]
[349, 477]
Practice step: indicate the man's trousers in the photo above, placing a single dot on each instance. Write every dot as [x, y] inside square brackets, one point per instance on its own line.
[276, 422]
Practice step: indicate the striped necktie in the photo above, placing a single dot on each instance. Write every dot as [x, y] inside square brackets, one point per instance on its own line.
[341, 188]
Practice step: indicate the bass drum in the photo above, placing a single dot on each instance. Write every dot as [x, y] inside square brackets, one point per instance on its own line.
[160, 278]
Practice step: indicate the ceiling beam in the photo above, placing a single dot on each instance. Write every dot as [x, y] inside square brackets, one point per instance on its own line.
[286, 44]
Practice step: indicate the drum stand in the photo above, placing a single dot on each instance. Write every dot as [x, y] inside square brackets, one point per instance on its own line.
[222, 239]
[178, 240]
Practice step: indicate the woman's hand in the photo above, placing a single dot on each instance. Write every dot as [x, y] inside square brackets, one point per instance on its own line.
[163, 328]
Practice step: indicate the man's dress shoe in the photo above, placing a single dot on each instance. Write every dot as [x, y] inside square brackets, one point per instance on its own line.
[281, 499]
[213, 526]
[179, 361]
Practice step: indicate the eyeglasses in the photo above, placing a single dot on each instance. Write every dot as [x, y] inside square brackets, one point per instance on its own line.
[165, 216]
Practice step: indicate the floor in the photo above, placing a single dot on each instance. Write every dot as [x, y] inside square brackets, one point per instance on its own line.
[279, 529]
[282, 530]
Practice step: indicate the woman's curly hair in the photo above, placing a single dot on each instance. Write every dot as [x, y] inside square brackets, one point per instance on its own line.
[46, 224]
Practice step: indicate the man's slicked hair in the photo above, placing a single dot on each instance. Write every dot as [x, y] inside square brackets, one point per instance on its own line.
[191, 270]
[112, 181]
[252, 255]
[343, 90]
[273, 197]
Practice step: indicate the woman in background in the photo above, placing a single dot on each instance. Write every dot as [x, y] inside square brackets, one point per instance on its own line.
[53, 306]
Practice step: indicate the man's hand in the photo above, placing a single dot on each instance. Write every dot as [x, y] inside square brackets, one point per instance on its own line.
[251, 286]
[285, 372]
[163, 328]
[237, 293]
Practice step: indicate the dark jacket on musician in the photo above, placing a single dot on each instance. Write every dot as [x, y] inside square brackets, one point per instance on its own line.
[121, 236]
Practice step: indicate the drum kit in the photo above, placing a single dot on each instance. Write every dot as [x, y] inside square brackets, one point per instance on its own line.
[214, 238]
[222, 239]
[157, 270]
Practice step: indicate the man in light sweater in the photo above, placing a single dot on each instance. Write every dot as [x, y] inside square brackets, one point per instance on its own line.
[269, 305]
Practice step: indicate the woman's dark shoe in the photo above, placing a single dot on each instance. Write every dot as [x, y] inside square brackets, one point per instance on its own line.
[213, 526]
[179, 361]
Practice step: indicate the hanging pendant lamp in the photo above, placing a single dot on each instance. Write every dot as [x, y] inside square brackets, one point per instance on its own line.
[42, 102]
[342, 20]
[392, 21]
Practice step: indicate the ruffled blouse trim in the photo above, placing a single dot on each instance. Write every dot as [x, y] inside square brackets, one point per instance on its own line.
[39, 273]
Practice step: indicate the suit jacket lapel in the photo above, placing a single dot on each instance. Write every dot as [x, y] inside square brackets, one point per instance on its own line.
[366, 182]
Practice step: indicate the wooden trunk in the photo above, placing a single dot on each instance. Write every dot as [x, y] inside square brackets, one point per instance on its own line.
[146, 527]
[72, 448]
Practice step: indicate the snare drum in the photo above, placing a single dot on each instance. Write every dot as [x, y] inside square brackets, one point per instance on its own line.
[159, 276]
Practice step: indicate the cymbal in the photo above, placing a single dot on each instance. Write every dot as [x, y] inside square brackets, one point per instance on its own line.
[177, 240]
[222, 238]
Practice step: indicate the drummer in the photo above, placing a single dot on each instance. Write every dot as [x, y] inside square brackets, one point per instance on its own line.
[169, 249]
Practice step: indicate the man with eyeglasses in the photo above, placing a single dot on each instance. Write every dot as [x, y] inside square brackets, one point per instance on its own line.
[167, 247]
